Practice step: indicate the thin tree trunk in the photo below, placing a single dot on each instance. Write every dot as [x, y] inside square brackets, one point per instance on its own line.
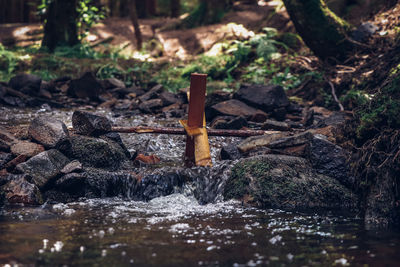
[323, 32]
[175, 8]
[60, 28]
[151, 6]
[136, 26]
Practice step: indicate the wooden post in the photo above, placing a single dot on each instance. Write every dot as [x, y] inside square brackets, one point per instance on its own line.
[197, 147]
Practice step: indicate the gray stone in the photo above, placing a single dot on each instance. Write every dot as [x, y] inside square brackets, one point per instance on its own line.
[44, 166]
[48, 131]
[278, 181]
[230, 152]
[73, 166]
[86, 86]
[4, 159]
[27, 83]
[275, 125]
[90, 124]
[96, 152]
[228, 122]
[329, 159]
[72, 183]
[256, 142]
[290, 141]
[264, 97]
[152, 93]
[363, 32]
[236, 108]
[151, 105]
[111, 83]
[169, 98]
[20, 191]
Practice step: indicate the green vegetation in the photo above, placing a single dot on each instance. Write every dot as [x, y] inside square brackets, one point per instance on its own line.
[382, 111]
[238, 183]
[88, 14]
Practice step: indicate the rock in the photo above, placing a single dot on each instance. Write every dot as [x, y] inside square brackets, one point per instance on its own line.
[336, 118]
[157, 185]
[329, 159]
[96, 152]
[264, 97]
[112, 83]
[4, 159]
[73, 166]
[151, 105]
[363, 32]
[117, 139]
[90, 124]
[14, 101]
[308, 118]
[227, 122]
[256, 142]
[169, 98]
[100, 183]
[20, 191]
[132, 92]
[290, 141]
[236, 108]
[49, 132]
[7, 138]
[278, 181]
[86, 86]
[44, 166]
[275, 125]
[152, 93]
[48, 86]
[14, 162]
[72, 183]
[230, 152]
[26, 148]
[216, 97]
[26, 83]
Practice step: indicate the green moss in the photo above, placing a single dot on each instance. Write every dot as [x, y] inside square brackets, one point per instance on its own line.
[382, 111]
[238, 184]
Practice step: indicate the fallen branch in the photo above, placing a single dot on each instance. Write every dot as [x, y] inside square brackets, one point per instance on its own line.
[181, 131]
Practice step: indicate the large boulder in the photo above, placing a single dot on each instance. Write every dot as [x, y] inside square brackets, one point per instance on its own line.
[26, 83]
[86, 86]
[236, 108]
[278, 181]
[49, 132]
[90, 124]
[44, 166]
[265, 97]
[97, 152]
[19, 190]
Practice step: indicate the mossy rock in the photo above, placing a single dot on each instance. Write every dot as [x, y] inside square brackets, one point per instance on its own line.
[277, 181]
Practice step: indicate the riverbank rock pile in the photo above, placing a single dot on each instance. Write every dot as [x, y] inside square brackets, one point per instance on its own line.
[295, 165]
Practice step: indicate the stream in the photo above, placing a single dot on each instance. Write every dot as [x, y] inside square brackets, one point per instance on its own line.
[177, 231]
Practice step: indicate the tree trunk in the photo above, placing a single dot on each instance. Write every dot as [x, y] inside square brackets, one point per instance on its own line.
[175, 8]
[322, 31]
[135, 23]
[151, 7]
[207, 12]
[60, 28]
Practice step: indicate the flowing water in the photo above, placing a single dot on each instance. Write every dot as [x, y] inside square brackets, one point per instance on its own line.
[176, 231]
